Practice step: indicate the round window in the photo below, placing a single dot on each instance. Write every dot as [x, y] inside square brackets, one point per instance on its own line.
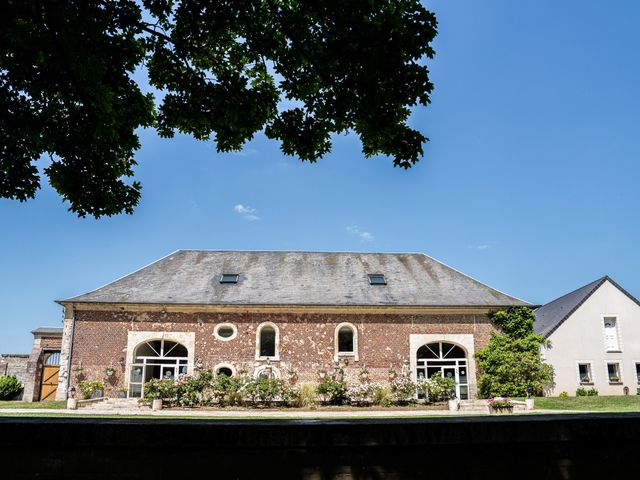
[225, 331]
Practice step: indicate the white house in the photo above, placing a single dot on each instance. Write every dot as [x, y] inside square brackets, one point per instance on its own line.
[594, 335]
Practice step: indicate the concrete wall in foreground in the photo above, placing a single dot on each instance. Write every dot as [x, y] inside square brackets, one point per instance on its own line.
[495, 447]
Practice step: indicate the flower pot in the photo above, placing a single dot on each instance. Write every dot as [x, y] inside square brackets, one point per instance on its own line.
[122, 394]
[156, 404]
[501, 410]
[72, 403]
[98, 394]
[530, 403]
[454, 405]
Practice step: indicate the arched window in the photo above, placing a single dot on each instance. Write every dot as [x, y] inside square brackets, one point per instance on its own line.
[346, 341]
[268, 341]
[52, 358]
[445, 359]
[163, 359]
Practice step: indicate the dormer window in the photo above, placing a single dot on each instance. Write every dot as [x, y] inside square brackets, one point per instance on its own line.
[229, 278]
[377, 279]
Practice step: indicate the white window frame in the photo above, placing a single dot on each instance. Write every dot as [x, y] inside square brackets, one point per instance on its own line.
[225, 324]
[635, 370]
[606, 371]
[276, 357]
[591, 371]
[336, 353]
[618, 335]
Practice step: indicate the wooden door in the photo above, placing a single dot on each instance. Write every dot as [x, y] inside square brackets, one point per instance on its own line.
[49, 385]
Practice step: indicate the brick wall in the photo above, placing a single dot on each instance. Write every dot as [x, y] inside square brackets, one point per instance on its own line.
[306, 340]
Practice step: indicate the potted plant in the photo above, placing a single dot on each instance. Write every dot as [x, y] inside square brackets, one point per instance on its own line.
[122, 392]
[109, 371]
[500, 405]
[92, 389]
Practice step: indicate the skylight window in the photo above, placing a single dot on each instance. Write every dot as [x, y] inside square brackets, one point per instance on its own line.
[229, 278]
[377, 279]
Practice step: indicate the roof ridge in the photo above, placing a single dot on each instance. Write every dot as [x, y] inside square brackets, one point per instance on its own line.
[574, 305]
[601, 279]
[213, 250]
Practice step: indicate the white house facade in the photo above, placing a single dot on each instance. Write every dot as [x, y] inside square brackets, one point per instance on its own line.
[594, 335]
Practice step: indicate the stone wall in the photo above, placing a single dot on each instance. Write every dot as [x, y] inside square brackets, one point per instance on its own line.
[306, 342]
[15, 364]
[41, 344]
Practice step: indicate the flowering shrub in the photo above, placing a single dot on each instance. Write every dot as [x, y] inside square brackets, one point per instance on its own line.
[264, 390]
[228, 391]
[403, 390]
[500, 402]
[359, 394]
[195, 391]
[159, 389]
[332, 391]
[436, 388]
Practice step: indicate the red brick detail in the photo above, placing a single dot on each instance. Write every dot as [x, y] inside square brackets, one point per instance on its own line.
[306, 340]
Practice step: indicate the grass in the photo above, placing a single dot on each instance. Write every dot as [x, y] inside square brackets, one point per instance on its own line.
[629, 403]
[27, 405]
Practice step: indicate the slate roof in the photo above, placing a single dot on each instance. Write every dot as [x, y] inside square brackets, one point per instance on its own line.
[550, 316]
[298, 278]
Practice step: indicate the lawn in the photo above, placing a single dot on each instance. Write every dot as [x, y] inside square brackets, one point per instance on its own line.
[630, 403]
[18, 404]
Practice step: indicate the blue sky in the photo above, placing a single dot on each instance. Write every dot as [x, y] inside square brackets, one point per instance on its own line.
[529, 183]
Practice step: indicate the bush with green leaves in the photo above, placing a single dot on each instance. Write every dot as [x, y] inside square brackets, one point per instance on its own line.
[586, 392]
[436, 388]
[403, 390]
[156, 389]
[332, 391]
[511, 365]
[264, 391]
[90, 387]
[228, 391]
[10, 386]
[360, 394]
[195, 391]
[564, 394]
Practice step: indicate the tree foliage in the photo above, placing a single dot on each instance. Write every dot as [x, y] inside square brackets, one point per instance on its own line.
[299, 71]
[511, 365]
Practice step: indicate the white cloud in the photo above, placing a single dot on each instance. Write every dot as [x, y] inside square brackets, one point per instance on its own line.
[480, 247]
[365, 237]
[247, 212]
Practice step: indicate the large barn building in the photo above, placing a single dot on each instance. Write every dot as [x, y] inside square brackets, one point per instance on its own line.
[302, 312]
